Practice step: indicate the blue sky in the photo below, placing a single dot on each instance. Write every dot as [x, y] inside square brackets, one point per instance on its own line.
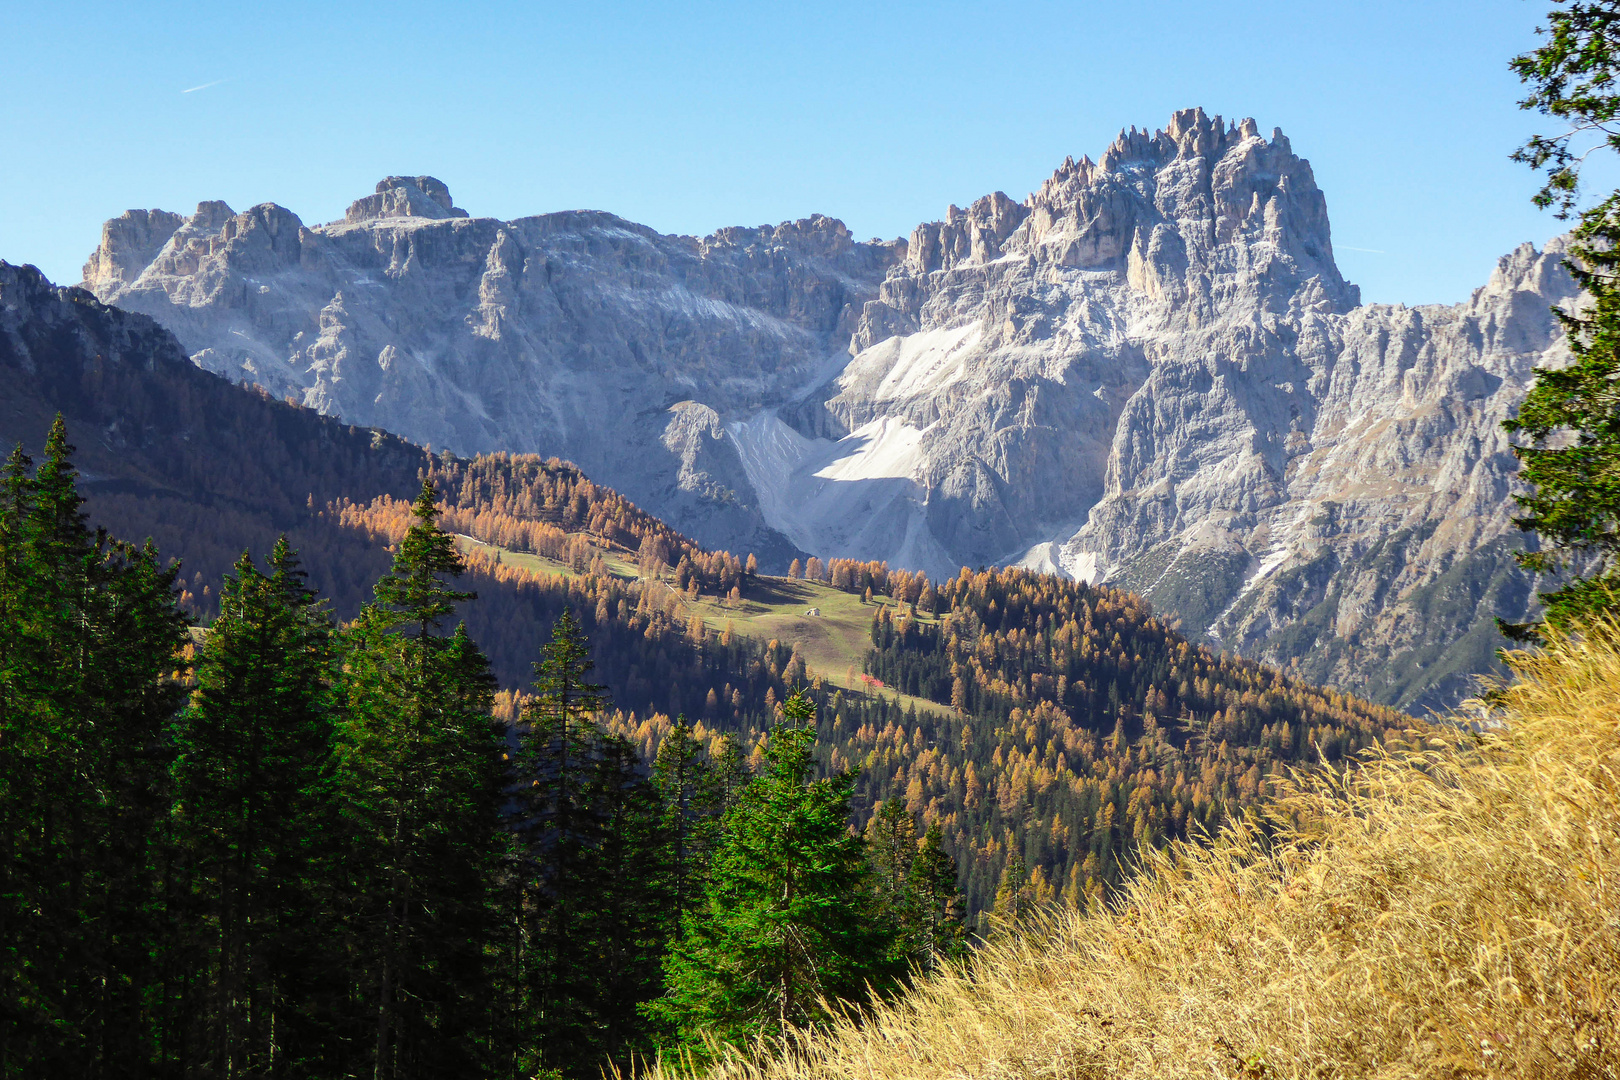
[691, 116]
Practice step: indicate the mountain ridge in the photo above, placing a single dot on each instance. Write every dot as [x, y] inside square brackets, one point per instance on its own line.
[1149, 372]
[1046, 718]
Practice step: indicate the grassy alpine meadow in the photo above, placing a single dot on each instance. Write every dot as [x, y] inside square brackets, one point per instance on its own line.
[1443, 910]
[834, 642]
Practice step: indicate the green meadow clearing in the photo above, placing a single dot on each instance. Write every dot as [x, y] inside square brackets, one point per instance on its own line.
[833, 643]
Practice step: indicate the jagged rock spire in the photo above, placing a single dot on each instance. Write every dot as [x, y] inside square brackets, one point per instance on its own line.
[406, 196]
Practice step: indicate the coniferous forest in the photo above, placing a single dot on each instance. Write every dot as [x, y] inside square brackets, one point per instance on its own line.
[290, 847]
[313, 809]
[1072, 725]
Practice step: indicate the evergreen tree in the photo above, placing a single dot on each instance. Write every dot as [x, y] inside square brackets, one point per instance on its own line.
[692, 798]
[596, 894]
[937, 903]
[251, 818]
[594, 904]
[19, 795]
[1014, 899]
[422, 776]
[559, 742]
[788, 920]
[916, 886]
[627, 926]
[1571, 417]
[728, 773]
[90, 646]
[891, 843]
[16, 504]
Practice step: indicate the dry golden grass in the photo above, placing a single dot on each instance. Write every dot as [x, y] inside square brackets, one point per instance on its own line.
[1448, 911]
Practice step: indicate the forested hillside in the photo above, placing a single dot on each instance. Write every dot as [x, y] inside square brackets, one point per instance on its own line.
[170, 452]
[293, 848]
[1430, 915]
[1076, 726]
[1067, 725]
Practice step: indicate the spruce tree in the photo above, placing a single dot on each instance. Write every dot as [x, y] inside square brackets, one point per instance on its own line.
[916, 886]
[19, 794]
[595, 898]
[560, 833]
[91, 644]
[938, 906]
[16, 503]
[1014, 897]
[891, 843]
[422, 778]
[728, 772]
[788, 921]
[252, 821]
[627, 925]
[692, 796]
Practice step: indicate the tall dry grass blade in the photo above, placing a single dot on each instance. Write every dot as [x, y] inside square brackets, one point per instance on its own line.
[1444, 910]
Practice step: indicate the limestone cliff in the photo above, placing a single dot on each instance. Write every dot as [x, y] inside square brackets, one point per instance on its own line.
[1149, 371]
[578, 334]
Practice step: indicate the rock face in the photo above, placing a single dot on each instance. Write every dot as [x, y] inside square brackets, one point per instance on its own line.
[1150, 371]
[576, 334]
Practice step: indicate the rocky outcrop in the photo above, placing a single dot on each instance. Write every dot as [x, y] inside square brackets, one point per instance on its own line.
[1006, 349]
[1156, 360]
[1150, 371]
[128, 245]
[1338, 498]
[578, 334]
[405, 196]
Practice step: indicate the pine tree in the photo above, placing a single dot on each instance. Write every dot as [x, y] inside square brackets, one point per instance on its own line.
[937, 903]
[252, 820]
[559, 743]
[788, 921]
[93, 632]
[422, 779]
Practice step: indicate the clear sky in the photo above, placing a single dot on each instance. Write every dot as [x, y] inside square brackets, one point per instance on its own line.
[689, 116]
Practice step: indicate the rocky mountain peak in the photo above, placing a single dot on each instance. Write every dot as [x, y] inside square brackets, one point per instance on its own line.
[1190, 134]
[1149, 371]
[405, 196]
[128, 243]
[818, 236]
[1201, 208]
[168, 246]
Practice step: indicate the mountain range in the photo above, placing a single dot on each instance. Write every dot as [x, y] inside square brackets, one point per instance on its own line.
[1149, 372]
[1027, 715]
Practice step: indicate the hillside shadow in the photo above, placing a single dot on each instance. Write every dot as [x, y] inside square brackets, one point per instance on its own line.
[771, 591]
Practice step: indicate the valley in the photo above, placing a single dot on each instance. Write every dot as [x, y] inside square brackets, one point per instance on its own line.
[834, 642]
[1080, 585]
[1148, 373]
[1025, 714]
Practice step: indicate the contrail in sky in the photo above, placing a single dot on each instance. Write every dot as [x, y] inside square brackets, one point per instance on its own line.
[1347, 247]
[204, 86]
